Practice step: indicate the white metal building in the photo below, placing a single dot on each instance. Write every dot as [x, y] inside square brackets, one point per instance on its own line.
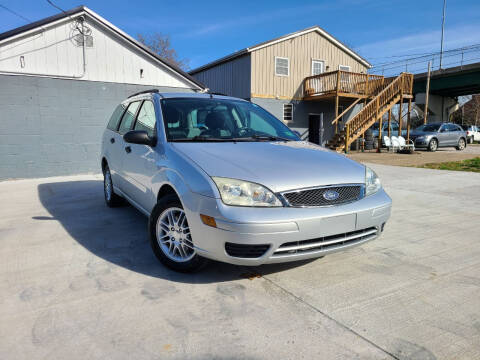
[60, 78]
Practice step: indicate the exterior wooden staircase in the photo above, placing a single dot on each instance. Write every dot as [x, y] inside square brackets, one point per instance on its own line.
[395, 91]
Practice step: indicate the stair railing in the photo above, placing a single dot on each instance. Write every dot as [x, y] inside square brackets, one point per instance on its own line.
[403, 83]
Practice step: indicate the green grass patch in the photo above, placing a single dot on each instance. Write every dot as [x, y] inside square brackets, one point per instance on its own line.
[464, 165]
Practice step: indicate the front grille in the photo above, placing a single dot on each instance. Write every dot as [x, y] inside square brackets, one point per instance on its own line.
[315, 197]
[326, 243]
[246, 251]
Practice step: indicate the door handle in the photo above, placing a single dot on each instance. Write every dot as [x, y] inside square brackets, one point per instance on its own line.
[128, 149]
[112, 140]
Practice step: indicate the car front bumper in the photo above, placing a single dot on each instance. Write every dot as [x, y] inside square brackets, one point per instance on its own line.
[287, 233]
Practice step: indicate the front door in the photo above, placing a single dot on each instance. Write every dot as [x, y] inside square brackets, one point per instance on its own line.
[140, 161]
[315, 128]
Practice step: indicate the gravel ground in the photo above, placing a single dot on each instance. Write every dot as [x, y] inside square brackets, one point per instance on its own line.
[419, 158]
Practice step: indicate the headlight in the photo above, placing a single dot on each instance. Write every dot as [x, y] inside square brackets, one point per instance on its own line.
[244, 193]
[372, 182]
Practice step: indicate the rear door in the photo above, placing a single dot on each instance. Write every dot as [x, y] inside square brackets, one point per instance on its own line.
[453, 134]
[140, 163]
[443, 136]
[111, 146]
[125, 126]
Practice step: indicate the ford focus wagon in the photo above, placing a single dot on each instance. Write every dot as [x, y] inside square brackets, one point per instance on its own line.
[221, 178]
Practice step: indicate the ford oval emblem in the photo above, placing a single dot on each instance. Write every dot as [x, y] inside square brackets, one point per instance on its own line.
[331, 195]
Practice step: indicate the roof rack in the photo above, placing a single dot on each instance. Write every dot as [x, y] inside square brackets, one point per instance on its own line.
[216, 93]
[145, 92]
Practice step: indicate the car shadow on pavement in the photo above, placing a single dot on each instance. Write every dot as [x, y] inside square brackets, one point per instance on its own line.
[119, 235]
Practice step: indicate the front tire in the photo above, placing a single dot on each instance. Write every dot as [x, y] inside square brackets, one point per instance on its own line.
[170, 236]
[112, 199]
[461, 144]
[433, 145]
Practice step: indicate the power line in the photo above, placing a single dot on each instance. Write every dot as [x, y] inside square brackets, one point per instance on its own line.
[15, 13]
[56, 6]
[456, 51]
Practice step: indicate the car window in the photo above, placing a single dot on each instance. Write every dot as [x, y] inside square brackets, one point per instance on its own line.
[128, 117]
[146, 118]
[451, 127]
[190, 119]
[115, 118]
[429, 127]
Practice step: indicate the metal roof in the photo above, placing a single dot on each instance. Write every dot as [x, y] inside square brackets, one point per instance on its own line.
[280, 39]
[86, 11]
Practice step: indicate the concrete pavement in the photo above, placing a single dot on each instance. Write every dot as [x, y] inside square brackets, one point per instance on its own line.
[78, 280]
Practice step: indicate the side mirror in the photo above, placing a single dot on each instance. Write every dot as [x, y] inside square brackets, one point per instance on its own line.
[139, 137]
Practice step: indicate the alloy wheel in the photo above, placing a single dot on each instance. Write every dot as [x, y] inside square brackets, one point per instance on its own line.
[173, 235]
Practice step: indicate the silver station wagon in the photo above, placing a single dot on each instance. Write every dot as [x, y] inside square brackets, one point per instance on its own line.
[221, 178]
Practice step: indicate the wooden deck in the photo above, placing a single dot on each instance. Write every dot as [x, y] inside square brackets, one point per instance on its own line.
[343, 84]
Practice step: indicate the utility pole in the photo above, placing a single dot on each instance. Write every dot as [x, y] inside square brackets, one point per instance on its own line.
[443, 30]
[426, 94]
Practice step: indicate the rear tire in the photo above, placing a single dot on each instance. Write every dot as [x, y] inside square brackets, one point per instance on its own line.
[433, 145]
[170, 236]
[112, 199]
[461, 144]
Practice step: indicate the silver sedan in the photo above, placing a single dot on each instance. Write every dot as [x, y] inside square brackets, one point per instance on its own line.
[221, 178]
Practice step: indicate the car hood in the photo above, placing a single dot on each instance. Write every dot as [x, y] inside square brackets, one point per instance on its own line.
[279, 166]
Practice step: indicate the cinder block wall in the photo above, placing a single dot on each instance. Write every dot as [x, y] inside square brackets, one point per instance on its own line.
[51, 127]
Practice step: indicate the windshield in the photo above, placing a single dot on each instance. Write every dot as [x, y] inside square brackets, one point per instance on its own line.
[429, 127]
[192, 119]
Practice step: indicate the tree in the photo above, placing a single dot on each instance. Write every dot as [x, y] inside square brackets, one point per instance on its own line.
[469, 112]
[160, 44]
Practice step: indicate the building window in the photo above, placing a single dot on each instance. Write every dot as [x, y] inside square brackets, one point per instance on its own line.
[317, 67]
[282, 66]
[287, 112]
[344, 78]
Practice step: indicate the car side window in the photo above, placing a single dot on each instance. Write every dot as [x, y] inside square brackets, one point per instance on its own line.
[128, 117]
[115, 118]
[451, 128]
[146, 118]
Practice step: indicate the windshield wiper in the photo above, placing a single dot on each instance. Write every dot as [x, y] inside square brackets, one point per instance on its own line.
[269, 138]
[200, 138]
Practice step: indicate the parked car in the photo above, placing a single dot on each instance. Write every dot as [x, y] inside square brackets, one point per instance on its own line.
[473, 133]
[221, 178]
[435, 135]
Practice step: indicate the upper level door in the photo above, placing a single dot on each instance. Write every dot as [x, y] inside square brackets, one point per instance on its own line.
[140, 161]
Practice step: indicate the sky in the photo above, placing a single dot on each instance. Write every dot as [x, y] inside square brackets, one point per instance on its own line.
[203, 31]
